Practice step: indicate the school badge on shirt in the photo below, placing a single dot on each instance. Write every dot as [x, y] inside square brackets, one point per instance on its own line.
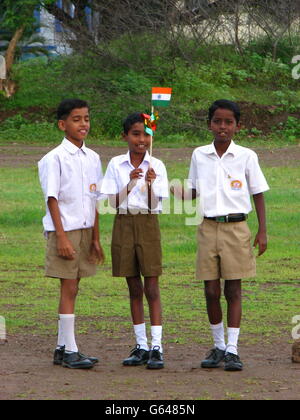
[236, 185]
[93, 188]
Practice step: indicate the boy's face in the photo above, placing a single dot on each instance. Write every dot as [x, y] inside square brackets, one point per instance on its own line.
[138, 140]
[223, 125]
[76, 126]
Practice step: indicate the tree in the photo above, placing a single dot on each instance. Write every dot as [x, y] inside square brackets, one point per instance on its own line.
[275, 18]
[16, 17]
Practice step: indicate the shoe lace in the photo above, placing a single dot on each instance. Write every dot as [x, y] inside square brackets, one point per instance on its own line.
[135, 350]
[212, 354]
[230, 357]
[155, 353]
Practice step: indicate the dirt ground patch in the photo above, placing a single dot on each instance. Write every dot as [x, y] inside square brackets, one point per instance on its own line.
[26, 373]
[15, 156]
[32, 113]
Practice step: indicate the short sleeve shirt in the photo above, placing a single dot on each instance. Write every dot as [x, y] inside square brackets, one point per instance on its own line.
[72, 175]
[225, 184]
[117, 176]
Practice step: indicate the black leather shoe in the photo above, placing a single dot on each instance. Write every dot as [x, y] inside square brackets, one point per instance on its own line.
[137, 357]
[76, 361]
[213, 358]
[156, 360]
[94, 360]
[232, 362]
[59, 355]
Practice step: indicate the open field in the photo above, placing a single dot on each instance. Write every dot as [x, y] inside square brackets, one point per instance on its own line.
[28, 301]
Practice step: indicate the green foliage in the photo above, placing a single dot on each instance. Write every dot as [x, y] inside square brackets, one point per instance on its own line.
[286, 48]
[116, 88]
[291, 129]
[15, 122]
[17, 13]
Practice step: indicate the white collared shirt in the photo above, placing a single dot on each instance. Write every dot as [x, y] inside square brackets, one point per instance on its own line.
[118, 176]
[225, 184]
[72, 175]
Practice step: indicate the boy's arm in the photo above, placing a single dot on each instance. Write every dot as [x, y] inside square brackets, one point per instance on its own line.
[261, 237]
[153, 200]
[96, 254]
[183, 194]
[115, 200]
[190, 193]
[64, 247]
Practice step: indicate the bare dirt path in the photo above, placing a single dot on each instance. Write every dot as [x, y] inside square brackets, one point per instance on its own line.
[26, 372]
[24, 156]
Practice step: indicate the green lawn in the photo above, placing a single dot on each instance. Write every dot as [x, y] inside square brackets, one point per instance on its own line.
[29, 301]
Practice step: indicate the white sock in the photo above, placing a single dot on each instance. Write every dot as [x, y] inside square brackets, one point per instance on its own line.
[66, 332]
[141, 336]
[233, 336]
[60, 338]
[218, 335]
[156, 334]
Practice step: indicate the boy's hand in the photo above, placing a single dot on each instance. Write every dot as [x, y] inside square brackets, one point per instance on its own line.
[136, 174]
[150, 175]
[96, 253]
[177, 191]
[262, 242]
[65, 248]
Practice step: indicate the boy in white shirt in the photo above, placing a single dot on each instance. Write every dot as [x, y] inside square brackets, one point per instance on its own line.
[69, 176]
[225, 175]
[136, 185]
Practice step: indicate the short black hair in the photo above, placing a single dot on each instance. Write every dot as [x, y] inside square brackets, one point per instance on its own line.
[225, 104]
[66, 107]
[132, 119]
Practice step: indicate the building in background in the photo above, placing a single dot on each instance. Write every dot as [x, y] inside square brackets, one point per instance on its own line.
[48, 33]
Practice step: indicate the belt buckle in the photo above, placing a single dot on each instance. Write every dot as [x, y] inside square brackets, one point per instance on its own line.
[222, 219]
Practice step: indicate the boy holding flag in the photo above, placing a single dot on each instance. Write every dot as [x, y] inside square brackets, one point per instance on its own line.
[136, 183]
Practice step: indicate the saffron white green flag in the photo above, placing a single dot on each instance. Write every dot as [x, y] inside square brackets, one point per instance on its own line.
[161, 96]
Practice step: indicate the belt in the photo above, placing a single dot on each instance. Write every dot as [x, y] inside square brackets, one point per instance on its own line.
[133, 212]
[239, 217]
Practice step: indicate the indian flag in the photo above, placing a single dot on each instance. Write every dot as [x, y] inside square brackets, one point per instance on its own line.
[161, 96]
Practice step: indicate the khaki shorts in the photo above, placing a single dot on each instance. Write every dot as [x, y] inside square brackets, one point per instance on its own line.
[61, 268]
[224, 251]
[136, 247]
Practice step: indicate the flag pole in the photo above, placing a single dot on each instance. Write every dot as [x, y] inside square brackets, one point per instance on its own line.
[151, 142]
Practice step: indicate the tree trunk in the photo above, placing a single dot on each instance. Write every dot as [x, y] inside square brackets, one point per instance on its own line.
[8, 85]
[11, 49]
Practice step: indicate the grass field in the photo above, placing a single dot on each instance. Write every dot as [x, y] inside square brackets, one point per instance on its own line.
[29, 301]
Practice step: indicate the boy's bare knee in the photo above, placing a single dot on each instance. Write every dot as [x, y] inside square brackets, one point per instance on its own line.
[232, 294]
[152, 293]
[136, 291]
[71, 290]
[212, 295]
[212, 291]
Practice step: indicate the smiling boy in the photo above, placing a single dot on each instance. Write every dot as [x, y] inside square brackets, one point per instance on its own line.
[69, 176]
[136, 185]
